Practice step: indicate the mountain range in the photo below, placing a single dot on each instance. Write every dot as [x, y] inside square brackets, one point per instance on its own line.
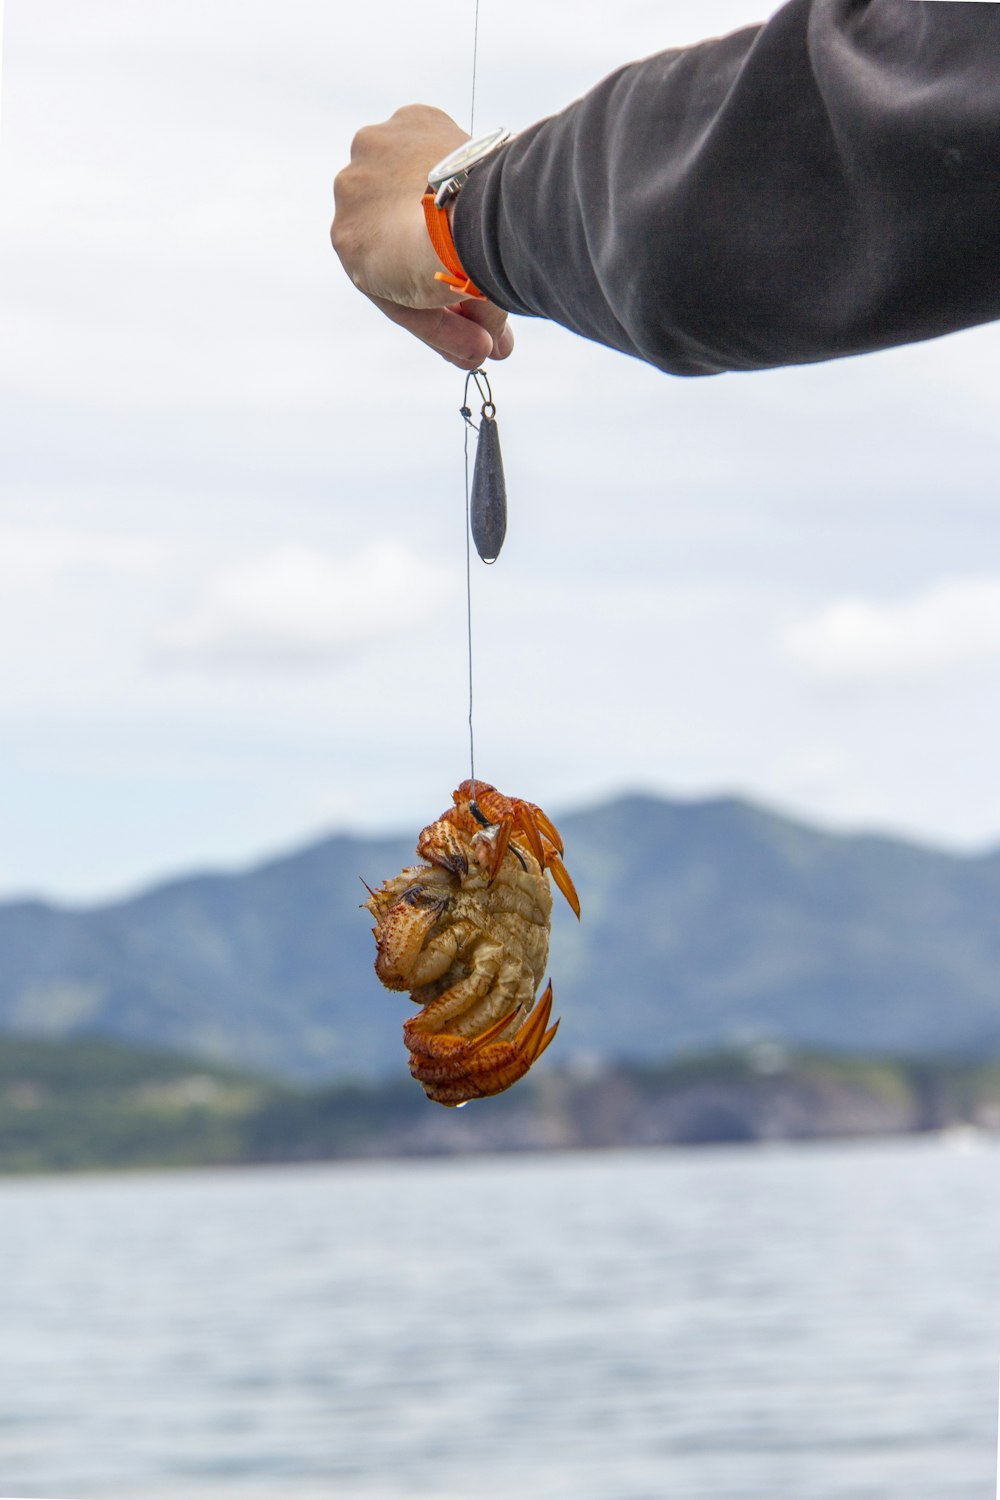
[706, 924]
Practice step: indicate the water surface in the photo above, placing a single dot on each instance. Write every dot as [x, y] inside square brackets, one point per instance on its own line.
[795, 1323]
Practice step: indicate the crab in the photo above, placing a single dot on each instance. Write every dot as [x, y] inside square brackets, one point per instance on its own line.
[467, 934]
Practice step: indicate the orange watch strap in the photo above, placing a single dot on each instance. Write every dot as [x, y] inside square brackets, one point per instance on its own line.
[439, 229]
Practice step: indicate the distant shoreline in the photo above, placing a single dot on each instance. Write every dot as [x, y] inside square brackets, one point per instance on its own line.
[91, 1104]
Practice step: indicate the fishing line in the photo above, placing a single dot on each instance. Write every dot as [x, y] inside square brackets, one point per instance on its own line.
[486, 496]
[485, 506]
[467, 418]
[475, 57]
[467, 415]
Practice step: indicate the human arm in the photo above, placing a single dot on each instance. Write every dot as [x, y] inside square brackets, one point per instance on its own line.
[823, 185]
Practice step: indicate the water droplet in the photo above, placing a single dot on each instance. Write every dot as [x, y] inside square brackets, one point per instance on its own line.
[462, 1105]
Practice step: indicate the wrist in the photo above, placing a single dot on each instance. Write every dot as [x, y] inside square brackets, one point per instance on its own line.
[444, 184]
[438, 219]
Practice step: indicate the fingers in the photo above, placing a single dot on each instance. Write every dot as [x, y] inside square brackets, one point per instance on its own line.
[494, 320]
[450, 331]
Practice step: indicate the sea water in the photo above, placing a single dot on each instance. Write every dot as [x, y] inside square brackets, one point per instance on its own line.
[814, 1322]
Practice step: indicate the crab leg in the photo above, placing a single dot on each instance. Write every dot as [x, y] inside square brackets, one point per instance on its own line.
[490, 1035]
[549, 829]
[460, 996]
[527, 825]
[533, 1038]
[446, 1046]
[561, 876]
[491, 845]
[453, 1070]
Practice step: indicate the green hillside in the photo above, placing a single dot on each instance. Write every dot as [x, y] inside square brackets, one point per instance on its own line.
[705, 925]
[92, 1103]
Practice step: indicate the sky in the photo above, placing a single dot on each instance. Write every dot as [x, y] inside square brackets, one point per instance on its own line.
[231, 495]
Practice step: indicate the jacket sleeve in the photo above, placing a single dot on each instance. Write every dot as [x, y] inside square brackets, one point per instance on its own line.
[823, 185]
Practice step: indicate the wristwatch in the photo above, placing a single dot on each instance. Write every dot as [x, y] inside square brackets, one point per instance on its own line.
[444, 183]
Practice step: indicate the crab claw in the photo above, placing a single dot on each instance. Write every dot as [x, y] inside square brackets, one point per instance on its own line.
[561, 876]
[453, 1069]
[441, 844]
[401, 935]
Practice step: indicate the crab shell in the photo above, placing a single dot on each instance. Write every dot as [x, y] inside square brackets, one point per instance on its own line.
[468, 935]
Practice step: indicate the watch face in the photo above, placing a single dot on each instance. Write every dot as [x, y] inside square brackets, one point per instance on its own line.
[466, 156]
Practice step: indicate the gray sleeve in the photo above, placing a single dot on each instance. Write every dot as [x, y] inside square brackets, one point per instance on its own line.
[826, 184]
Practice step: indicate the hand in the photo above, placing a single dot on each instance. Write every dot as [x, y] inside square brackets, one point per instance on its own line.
[380, 235]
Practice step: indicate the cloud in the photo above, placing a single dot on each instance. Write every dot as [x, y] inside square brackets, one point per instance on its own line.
[184, 361]
[298, 606]
[955, 621]
[33, 557]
